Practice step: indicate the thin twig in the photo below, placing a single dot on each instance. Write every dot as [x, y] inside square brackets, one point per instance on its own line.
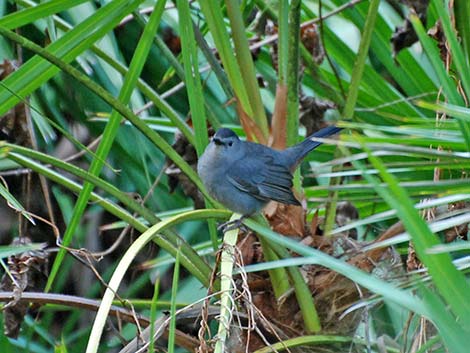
[273, 38]
[74, 302]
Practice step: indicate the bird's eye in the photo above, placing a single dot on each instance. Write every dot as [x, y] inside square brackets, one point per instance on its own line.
[230, 143]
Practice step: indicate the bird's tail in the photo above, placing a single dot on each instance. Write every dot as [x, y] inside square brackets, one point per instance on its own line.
[307, 145]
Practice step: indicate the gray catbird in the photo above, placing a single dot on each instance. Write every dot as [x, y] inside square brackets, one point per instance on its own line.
[245, 176]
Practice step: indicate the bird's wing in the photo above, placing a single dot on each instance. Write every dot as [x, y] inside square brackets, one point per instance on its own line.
[263, 178]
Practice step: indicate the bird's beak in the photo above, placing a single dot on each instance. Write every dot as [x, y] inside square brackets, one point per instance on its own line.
[217, 141]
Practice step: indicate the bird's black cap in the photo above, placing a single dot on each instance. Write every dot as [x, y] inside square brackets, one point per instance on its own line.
[224, 133]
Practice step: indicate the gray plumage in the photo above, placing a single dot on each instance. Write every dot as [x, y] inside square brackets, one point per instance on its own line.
[245, 176]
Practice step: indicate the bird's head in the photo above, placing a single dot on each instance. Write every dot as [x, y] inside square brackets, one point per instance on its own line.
[226, 141]
[224, 149]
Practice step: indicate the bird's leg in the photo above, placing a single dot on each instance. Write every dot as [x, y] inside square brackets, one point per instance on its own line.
[230, 225]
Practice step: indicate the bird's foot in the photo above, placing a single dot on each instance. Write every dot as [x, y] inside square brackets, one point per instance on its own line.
[231, 225]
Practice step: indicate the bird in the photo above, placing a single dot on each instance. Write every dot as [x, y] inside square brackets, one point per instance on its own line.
[244, 176]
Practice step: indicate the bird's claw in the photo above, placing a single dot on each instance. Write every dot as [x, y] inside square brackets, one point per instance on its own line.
[231, 225]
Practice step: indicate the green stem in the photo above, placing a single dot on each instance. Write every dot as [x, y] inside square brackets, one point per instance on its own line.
[245, 61]
[293, 74]
[351, 100]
